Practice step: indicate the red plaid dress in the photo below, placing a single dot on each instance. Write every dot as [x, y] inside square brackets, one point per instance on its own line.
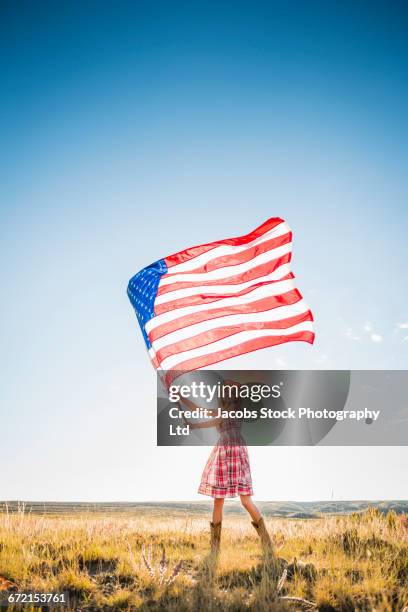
[227, 472]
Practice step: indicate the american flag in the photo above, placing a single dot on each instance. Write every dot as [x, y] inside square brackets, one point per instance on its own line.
[218, 300]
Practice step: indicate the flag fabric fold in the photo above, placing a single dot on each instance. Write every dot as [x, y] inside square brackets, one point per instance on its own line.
[219, 300]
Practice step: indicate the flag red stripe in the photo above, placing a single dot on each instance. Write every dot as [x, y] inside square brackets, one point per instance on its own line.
[234, 259]
[239, 349]
[219, 333]
[203, 298]
[284, 299]
[237, 279]
[155, 362]
[192, 252]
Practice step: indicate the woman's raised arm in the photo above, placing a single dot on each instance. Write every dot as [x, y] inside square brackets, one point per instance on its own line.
[204, 424]
[192, 406]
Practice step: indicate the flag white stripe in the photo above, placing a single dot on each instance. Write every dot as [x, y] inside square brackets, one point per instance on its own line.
[227, 271]
[171, 362]
[257, 294]
[227, 249]
[274, 314]
[207, 290]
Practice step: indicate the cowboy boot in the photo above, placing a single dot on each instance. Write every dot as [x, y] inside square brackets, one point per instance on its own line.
[215, 537]
[267, 546]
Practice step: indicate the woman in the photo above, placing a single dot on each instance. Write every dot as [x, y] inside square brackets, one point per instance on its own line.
[227, 472]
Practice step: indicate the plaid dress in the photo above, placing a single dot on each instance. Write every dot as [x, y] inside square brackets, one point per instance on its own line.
[227, 472]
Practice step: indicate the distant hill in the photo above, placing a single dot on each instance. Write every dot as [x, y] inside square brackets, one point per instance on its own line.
[282, 509]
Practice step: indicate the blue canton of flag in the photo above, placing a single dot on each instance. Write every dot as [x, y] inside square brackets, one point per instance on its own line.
[142, 291]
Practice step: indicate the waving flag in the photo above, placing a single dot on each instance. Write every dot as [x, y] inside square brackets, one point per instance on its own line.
[219, 300]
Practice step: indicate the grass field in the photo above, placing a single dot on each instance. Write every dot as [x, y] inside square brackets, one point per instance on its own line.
[131, 560]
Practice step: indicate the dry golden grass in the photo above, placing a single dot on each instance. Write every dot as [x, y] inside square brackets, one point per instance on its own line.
[354, 562]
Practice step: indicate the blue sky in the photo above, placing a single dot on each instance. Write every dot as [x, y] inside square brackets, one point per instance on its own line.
[131, 130]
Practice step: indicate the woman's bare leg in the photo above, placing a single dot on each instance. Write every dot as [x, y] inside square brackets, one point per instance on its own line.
[250, 507]
[217, 510]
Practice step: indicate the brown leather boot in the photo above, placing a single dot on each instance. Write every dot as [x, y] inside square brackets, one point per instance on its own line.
[215, 537]
[266, 542]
